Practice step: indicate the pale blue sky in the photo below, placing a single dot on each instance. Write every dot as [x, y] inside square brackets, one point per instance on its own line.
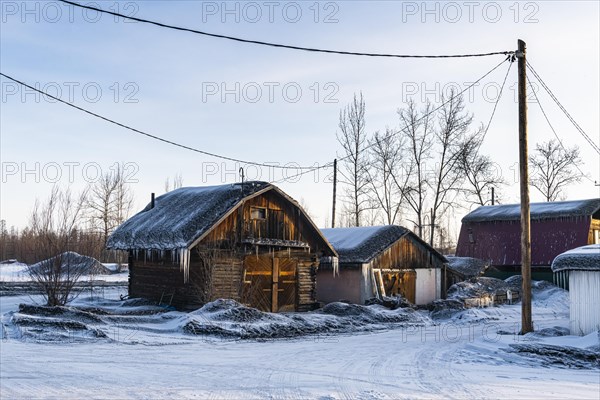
[167, 72]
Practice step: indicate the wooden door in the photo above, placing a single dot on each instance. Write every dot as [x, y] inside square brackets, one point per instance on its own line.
[270, 283]
[286, 285]
[400, 283]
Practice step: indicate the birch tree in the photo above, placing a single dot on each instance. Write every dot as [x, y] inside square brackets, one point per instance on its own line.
[412, 183]
[554, 168]
[110, 201]
[386, 156]
[453, 123]
[352, 136]
[478, 170]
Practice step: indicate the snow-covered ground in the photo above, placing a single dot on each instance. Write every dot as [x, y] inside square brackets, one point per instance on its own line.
[146, 352]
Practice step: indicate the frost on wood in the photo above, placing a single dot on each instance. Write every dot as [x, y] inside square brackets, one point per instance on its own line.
[557, 209]
[179, 217]
[361, 244]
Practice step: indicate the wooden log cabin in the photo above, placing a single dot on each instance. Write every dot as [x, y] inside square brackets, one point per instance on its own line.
[248, 242]
[379, 261]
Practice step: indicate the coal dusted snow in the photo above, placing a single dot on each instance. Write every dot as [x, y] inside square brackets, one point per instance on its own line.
[359, 352]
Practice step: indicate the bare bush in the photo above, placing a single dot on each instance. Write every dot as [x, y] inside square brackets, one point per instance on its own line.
[53, 233]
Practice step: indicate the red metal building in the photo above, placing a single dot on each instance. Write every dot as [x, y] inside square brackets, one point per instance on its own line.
[493, 233]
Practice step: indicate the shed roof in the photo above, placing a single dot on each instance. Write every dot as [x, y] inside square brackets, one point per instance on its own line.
[362, 244]
[548, 210]
[183, 216]
[580, 258]
[469, 267]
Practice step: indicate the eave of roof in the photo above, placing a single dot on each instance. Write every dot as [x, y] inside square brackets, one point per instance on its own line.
[581, 258]
[538, 211]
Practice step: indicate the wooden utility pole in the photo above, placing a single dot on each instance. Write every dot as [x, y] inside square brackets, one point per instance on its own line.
[334, 190]
[526, 322]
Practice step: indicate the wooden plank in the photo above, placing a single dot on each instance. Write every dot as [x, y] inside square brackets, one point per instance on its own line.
[275, 289]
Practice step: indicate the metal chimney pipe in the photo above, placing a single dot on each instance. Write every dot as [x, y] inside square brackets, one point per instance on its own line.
[152, 200]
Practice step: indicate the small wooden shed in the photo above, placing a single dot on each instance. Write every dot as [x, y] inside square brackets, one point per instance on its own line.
[379, 261]
[249, 242]
[580, 267]
[462, 268]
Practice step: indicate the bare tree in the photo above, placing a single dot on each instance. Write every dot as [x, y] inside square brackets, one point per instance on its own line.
[554, 168]
[416, 128]
[177, 183]
[54, 231]
[386, 156]
[477, 169]
[353, 138]
[110, 202]
[453, 124]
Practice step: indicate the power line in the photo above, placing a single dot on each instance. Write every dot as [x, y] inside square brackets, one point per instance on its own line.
[552, 128]
[563, 109]
[287, 178]
[157, 137]
[495, 105]
[440, 106]
[414, 123]
[279, 45]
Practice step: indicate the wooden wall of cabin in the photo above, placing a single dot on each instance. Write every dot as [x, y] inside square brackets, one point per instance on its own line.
[308, 265]
[214, 274]
[406, 254]
[283, 221]
[157, 279]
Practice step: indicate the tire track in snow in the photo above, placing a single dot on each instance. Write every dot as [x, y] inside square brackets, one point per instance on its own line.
[435, 372]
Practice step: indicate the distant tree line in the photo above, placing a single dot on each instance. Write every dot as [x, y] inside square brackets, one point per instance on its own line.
[67, 221]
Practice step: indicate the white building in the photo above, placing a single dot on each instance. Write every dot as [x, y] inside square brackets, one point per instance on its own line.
[580, 267]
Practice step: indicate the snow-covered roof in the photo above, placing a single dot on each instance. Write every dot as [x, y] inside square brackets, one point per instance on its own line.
[556, 209]
[180, 217]
[580, 258]
[469, 267]
[362, 244]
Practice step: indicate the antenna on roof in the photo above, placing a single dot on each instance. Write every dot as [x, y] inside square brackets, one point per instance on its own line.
[242, 176]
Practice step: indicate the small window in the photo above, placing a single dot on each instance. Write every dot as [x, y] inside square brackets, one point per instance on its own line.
[596, 236]
[471, 237]
[258, 213]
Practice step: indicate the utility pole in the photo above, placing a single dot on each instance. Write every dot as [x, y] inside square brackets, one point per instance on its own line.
[334, 190]
[526, 322]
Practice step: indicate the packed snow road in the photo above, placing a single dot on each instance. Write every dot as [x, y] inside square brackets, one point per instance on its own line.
[461, 357]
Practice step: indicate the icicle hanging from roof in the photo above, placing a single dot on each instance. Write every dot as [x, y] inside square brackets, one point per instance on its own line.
[184, 263]
[335, 266]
